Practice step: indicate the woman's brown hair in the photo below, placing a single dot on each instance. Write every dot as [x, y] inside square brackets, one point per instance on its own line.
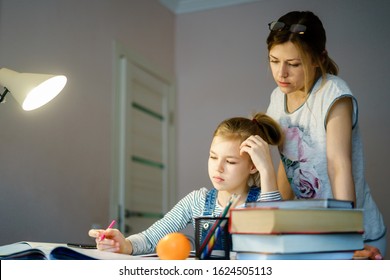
[311, 43]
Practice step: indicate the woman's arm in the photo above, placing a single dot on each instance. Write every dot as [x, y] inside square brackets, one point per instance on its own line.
[283, 183]
[339, 149]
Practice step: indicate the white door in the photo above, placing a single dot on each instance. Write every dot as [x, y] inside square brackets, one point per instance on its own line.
[143, 187]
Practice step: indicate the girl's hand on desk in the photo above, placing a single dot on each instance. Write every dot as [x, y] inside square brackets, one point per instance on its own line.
[114, 241]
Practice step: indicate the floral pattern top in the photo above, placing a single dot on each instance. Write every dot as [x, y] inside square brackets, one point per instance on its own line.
[304, 150]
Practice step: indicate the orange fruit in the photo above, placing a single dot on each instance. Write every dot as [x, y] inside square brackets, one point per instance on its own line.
[173, 246]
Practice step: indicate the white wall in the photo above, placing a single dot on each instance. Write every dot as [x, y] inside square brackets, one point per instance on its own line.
[55, 162]
[222, 71]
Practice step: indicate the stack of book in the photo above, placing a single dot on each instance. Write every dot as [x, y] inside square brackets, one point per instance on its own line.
[296, 229]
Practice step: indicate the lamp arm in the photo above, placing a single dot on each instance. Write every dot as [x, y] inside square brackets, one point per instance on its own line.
[2, 96]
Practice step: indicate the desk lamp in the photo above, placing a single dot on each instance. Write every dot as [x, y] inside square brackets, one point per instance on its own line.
[29, 89]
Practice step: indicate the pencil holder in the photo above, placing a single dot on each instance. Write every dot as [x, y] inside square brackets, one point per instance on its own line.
[221, 248]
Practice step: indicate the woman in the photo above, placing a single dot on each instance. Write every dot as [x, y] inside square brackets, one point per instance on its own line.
[322, 156]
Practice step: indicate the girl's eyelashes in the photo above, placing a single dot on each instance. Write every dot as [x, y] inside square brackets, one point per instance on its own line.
[228, 161]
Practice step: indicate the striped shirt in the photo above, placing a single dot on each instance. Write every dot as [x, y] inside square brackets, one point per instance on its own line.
[183, 213]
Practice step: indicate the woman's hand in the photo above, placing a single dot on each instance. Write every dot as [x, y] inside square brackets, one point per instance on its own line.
[369, 252]
[114, 241]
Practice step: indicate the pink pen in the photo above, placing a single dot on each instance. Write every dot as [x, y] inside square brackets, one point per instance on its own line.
[110, 226]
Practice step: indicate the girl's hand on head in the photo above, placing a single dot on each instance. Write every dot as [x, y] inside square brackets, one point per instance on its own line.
[114, 241]
[259, 152]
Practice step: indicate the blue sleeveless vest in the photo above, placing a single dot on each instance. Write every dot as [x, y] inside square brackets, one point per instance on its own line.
[211, 199]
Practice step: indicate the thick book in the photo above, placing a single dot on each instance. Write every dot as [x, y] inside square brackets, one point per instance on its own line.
[297, 243]
[346, 255]
[258, 220]
[56, 251]
[303, 203]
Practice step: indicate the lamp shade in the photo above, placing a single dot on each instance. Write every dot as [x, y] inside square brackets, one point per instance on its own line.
[31, 90]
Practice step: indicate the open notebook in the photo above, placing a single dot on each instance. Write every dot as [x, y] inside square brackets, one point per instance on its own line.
[57, 251]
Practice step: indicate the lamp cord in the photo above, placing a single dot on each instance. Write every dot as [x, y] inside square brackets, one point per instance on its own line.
[2, 96]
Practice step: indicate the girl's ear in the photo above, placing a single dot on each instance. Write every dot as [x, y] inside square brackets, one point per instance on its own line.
[253, 169]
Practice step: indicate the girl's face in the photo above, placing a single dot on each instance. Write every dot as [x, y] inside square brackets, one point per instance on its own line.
[287, 68]
[228, 170]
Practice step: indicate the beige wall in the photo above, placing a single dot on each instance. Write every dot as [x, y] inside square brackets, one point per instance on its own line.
[222, 71]
[55, 163]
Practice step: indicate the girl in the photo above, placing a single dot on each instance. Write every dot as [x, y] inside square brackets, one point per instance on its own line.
[322, 154]
[239, 154]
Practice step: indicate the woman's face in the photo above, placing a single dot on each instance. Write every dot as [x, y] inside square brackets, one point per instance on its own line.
[228, 170]
[288, 69]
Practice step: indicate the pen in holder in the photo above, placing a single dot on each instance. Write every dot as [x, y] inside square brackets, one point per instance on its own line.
[212, 239]
[218, 231]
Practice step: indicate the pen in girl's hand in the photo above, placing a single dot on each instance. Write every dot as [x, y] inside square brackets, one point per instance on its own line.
[82, 246]
[110, 226]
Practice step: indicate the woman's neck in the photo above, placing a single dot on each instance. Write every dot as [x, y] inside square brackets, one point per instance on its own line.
[295, 100]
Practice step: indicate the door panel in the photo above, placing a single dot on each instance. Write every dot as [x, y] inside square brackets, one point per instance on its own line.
[143, 187]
